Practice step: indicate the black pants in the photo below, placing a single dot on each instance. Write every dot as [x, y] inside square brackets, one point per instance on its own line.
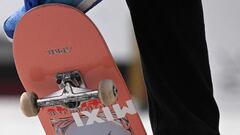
[171, 39]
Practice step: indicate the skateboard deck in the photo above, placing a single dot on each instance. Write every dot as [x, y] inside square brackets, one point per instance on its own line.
[55, 39]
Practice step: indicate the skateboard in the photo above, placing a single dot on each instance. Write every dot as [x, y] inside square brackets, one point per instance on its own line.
[72, 82]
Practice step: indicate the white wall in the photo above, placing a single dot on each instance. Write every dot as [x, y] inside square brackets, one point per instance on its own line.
[222, 21]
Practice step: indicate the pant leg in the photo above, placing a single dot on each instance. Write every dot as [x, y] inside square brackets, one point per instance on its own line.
[171, 39]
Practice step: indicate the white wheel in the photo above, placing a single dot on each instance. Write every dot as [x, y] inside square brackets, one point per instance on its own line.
[107, 92]
[28, 104]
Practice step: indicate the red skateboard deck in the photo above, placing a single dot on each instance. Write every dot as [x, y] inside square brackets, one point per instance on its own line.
[55, 38]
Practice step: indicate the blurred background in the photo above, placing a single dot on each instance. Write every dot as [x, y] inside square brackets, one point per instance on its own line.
[114, 22]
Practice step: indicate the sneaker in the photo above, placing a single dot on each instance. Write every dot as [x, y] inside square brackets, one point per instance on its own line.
[11, 22]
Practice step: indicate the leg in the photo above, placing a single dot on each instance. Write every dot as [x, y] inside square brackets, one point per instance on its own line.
[171, 39]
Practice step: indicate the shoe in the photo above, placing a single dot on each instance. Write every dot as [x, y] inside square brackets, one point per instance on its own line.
[11, 22]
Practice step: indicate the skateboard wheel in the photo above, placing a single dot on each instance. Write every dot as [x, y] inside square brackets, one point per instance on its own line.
[107, 92]
[28, 104]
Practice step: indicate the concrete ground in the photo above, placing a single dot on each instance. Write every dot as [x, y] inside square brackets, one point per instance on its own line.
[14, 122]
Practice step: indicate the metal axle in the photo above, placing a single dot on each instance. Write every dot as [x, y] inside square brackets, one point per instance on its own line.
[72, 91]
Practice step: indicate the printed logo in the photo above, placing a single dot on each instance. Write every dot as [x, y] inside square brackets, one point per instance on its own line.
[59, 51]
[93, 116]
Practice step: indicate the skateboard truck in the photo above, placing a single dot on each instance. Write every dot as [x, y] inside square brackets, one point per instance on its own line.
[71, 94]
